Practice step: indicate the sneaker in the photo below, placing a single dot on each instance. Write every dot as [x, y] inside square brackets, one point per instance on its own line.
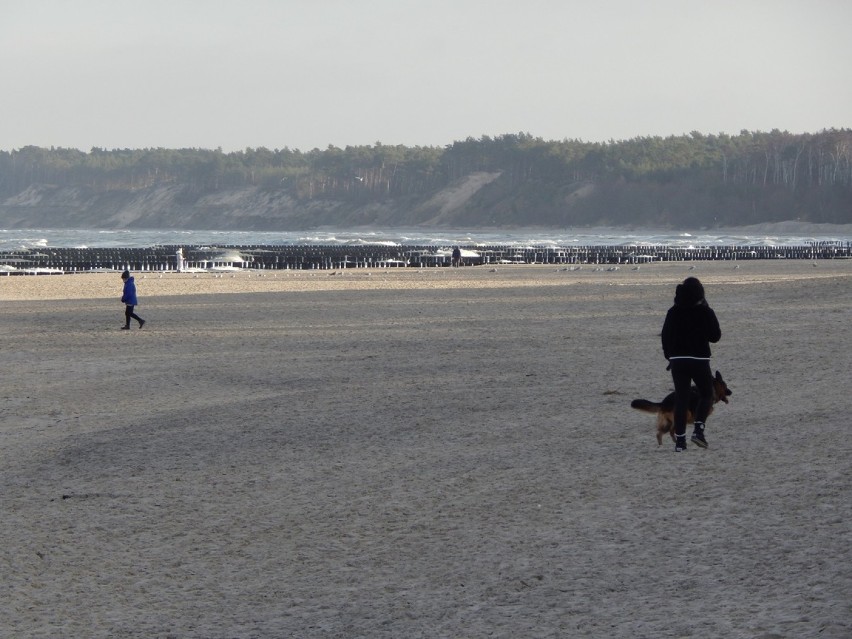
[698, 435]
[698, 440]
[680, 444]
[125, 328]
[141, 323]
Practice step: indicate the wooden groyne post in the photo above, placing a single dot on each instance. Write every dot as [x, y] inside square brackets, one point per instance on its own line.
[314, 257]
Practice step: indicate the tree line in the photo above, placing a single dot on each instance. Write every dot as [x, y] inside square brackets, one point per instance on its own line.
[677, 180]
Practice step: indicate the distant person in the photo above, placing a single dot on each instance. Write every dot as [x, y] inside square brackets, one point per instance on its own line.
[128, 298]
[456, 256]
[689, 327]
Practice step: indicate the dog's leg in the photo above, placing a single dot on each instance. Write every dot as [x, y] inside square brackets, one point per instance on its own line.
[663, 426]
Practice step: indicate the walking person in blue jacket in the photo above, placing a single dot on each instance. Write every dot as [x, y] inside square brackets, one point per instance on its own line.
[689, 328]
[128, 298]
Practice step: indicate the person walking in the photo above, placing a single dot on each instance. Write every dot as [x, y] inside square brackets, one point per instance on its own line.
[689, 328]
[128, 298]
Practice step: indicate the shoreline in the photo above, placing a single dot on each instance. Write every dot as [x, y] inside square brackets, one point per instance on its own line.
[153, 285]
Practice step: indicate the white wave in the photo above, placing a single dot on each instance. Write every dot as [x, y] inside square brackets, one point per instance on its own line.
[783, 234]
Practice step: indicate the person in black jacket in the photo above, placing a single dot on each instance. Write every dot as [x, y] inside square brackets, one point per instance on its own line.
[689, 328]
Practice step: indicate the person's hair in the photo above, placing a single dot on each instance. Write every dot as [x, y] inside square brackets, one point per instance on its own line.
[691, 291]
[695, 284]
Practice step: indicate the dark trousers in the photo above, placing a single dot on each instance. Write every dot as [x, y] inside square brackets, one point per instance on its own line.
[684, 372]
[129, 315]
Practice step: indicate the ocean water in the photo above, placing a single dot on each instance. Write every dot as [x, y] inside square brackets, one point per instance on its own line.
[768, 235]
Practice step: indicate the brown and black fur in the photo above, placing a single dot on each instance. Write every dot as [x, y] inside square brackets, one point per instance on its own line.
[664, 410]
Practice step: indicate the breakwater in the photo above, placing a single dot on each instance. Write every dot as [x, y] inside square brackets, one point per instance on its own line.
[310, 257]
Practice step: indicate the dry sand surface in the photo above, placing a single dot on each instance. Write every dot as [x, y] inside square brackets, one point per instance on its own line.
[435, 453]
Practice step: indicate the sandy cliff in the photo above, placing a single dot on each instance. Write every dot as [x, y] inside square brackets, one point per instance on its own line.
[248, 208]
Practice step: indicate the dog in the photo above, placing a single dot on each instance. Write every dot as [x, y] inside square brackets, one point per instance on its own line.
[664, 410]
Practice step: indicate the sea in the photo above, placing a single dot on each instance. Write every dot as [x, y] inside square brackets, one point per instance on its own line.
[781, 234]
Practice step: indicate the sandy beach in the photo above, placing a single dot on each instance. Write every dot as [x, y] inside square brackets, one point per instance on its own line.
[409, 453]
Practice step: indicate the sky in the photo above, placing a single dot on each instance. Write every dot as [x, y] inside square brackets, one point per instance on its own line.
[307, 74]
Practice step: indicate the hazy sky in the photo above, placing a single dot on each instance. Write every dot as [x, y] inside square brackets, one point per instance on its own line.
[308, 73]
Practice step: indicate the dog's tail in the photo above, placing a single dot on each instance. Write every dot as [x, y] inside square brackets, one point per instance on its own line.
[645, 406]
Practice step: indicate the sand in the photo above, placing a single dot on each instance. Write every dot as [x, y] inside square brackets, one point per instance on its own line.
[435, 453]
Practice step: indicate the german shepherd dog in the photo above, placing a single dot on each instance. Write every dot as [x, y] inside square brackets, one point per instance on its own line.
[664, 410]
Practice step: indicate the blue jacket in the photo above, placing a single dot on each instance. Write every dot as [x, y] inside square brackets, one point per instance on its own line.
[129, 294]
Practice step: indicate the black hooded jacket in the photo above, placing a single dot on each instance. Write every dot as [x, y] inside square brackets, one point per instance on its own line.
[690, 324]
